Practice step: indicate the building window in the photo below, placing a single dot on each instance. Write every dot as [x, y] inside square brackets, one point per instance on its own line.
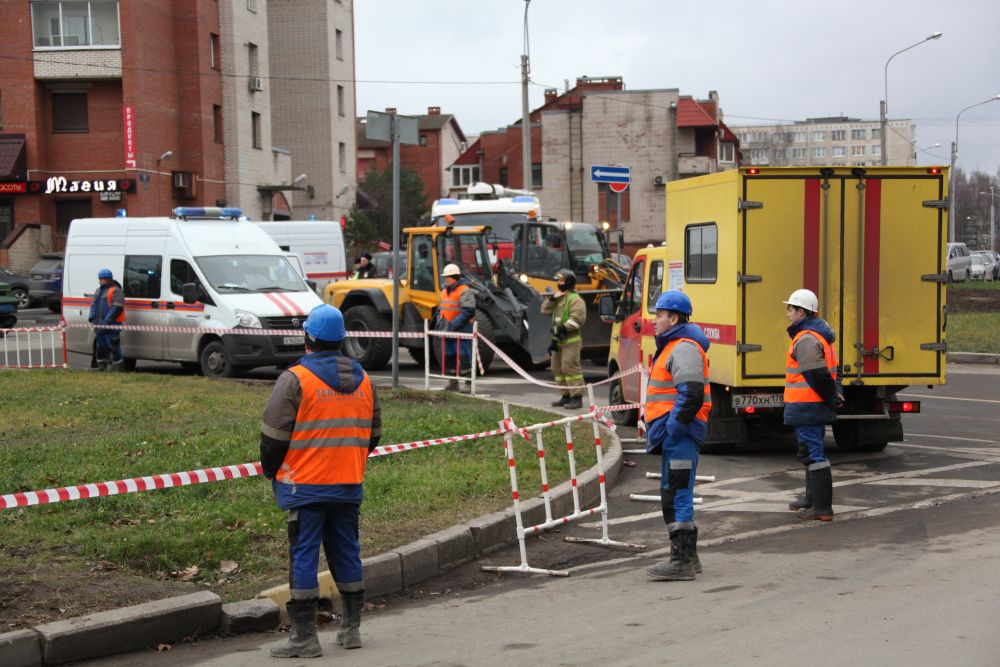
[858, 150]
[503, 176]
[68, 210]
[69, 112]
[858, 135]
[258, 140]
[727, 152]
[214, 56]
[819, 135]
[338, 41]
[758, 156]
[876, 150]
[253, 61]
[798, 153]
[779, 137]
[798, 137]
[701, 253]
[464, 175]
[75, 23]
[819, 152]
[217, 123]
[838, 151]
[536, 175]
[342, 156]
[340, 100]
[838, 135]
[778, 153]
[422, 140]
[876, 133]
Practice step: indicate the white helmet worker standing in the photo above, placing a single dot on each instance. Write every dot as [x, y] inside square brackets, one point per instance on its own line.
[451, 270]
[805, 299]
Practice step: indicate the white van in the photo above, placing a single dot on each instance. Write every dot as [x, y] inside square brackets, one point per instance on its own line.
[203, 269]
[318, 243]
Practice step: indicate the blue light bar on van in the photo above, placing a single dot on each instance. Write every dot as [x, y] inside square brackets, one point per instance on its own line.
[524, 199]
[447, 202]
[207, 212]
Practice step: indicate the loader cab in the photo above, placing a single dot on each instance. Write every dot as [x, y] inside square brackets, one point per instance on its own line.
[433, 248]
[543, 248]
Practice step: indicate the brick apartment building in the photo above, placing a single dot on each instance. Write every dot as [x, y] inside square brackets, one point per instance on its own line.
[441, 141]
[146, 105]
[660, 134]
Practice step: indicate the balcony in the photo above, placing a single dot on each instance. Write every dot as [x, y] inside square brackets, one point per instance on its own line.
[691, 165]
[83, 63]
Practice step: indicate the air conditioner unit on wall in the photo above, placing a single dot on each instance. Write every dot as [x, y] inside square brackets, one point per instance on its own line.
[185, 185]
[659, 180]
[256, 83]
[181, 179]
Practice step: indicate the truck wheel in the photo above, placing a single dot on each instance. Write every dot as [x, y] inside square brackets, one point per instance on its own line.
[372, 353]
[486, 330]
[23, 300]
[616, 397]
[215, 363]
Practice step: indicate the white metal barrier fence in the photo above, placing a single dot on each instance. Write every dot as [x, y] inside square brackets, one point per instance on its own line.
[33, 347]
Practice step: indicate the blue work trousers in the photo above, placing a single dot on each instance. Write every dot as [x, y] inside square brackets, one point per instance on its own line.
[678, 466]
[108, 345]
[810, 439]
[334, 526]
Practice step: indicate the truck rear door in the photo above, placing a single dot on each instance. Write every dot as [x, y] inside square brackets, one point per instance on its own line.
[867, 246]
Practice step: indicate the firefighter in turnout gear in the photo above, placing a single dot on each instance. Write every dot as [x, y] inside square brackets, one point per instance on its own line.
[569, 313]
[108, 308]
[320, 424]
[456, 312]
[678, 400]
[812, 396]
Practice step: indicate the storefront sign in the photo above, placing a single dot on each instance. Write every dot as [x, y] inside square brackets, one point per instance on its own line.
[59, 185]
[14, 188]
[128, 116]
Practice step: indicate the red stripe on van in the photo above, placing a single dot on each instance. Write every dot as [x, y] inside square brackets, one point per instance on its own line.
[287, 300]
[872, 257]
[719, 334]
[810, 244]
[280, 304]
[331, 274]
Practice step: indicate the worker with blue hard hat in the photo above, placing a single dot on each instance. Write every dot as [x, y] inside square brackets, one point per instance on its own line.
[108, 308]
[678, 401]
[321, 422]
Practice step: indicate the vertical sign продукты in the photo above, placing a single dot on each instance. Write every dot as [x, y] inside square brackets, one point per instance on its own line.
[128, 117]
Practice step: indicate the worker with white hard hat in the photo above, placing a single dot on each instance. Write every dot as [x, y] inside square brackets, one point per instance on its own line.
[456, 313]
[812, 396]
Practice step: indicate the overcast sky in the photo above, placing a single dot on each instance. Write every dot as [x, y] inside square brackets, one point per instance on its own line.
[769, 59]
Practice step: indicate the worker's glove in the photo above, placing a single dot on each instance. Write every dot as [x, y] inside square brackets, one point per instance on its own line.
[840, 401]
[559, 332]
[553, 347]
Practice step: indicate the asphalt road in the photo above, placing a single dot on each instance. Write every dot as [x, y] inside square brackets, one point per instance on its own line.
[908, 571]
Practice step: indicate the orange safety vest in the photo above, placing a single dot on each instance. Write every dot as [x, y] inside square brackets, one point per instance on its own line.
[121, 315]
[797, 390]
[449, 306]
[332, 431]
[661, 394]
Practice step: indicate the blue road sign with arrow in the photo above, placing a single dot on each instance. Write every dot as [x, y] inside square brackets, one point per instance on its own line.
[607, 174]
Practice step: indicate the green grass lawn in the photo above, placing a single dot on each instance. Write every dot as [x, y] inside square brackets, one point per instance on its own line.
[976, 284]
[974, 332]
[63, 428]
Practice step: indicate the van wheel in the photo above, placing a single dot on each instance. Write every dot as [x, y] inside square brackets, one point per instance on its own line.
[616, 397]
[215, 363]
[372, 353]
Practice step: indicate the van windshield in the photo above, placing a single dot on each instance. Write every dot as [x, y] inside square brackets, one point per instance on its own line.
[229, 274]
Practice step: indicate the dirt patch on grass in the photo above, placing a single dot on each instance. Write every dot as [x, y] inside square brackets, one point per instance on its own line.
[971, 300]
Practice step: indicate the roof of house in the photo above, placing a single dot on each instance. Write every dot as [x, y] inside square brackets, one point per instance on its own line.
[692, 113]
[425, 122]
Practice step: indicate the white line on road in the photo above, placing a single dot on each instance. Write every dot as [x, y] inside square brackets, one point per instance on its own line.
[959, 483]
[951, 398]
[950, 437]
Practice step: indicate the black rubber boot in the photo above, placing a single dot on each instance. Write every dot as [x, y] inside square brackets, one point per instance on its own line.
[561, 402]
[573, 403]
[695, 561]
[302, 641]
[349, 635]
[452, 386]
[804, 501]
[680, 567]
[822, 487]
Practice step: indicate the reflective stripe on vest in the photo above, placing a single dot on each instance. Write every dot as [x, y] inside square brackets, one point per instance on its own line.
[574, 336]
[111, 293]
[449, 306]
[329, 443]
[797, 390]
[661, 393]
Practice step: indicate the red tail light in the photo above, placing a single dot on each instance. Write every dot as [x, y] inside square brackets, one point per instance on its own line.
[750, 410]
[903, 407]
[934, 170]
[753, 170]
[343, 222]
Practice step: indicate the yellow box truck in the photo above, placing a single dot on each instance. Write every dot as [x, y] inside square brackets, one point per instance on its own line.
[870, 242]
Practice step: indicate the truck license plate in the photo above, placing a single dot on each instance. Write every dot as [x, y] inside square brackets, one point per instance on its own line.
[293, 340]
[758, 401]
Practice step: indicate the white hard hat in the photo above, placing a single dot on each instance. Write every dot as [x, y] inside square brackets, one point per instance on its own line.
[451, 270]
[803, 298]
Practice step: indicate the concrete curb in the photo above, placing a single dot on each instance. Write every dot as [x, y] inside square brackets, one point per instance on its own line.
[972, 358]
[172, 619]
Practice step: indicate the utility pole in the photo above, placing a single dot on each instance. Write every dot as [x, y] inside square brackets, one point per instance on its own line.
[528, 182]
[993, 204]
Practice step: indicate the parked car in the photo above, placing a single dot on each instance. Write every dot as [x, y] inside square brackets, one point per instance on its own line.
[18, 287]
[993, 259]
[8, 308]
[981, 268]
[45, 281]
[959, 262]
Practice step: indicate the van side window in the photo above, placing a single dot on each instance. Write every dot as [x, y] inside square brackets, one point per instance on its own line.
[142, 276]
[655, 285]
[180, 273]
[701, 253]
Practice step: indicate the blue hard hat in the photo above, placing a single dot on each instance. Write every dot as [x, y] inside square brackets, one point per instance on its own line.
[674, 300]
[105, 273]
[325, 323]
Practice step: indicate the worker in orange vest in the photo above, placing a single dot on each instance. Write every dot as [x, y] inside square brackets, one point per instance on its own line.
[456, 313]
[322, 421]
[108, 308]
[678, 400]
[812, 396]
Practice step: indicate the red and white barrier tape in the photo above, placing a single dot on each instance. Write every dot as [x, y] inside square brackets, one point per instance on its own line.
[244, 331]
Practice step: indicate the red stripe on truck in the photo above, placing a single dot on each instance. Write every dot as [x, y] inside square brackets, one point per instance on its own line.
[810, 243]
[872, 256]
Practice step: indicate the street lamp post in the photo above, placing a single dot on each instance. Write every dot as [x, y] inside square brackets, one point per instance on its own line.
[884, 105]
[993, 202]
[165, 156]
[525, 112]
[951, 172]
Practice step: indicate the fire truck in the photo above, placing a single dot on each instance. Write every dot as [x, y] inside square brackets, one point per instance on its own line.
[870, 242]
